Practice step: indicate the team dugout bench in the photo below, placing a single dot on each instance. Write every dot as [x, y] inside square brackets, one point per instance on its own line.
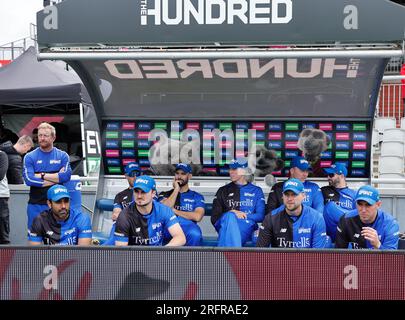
[105, 204]
[207, 187]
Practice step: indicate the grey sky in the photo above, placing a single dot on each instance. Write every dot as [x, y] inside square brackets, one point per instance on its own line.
[15, 18]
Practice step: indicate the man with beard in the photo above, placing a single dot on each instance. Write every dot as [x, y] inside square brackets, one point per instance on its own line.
[44, 167]
[188, 205]
[299, 169]
[238, 207]
[124, 198]
[339, 198]
[144, 220]
[59, 224]
[293, 225]
[367, 226]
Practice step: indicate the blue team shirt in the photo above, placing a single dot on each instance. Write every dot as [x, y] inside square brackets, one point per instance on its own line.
[313, 196]
[247, 198]
[281, 230]
[38, 161]
[334, 210]
[186, 201]
[138, 229]
[349, 229]
[48, 230]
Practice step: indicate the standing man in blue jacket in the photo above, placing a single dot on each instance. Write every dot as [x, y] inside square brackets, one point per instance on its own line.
[339, 198]
[293, 225]
[44, 167]
[367, 227]
[237, 208]
[299, 170]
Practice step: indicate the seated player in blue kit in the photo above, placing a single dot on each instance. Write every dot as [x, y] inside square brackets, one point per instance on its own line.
[238, 207]
[188, 205]
[60, 225]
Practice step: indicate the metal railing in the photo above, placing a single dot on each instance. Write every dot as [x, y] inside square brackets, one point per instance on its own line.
[11, 50]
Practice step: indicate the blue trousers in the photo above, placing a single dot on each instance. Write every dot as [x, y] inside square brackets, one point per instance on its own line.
[33, 210]
[234, 232]
[111, 239]
[191, 230]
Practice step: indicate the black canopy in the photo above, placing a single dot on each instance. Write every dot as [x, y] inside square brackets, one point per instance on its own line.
[26, 81]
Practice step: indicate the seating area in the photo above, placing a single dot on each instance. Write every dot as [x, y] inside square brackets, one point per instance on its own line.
[209, 240]
[388, 144]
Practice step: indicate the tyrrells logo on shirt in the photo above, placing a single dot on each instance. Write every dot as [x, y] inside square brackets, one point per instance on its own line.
[146, 241]
[348, 204]
[245, 203]
[302, 243]
[185, 207]
[54, 161]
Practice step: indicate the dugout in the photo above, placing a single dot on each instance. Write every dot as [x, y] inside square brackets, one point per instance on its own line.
[32, 92]
[200, 65]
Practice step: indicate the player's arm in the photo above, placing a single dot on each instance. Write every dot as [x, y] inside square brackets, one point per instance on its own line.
[84, 241]
[35, 235]
[64, 173]
[260, 207]
[195, 215]
[170, 201]
[29, 173]
[274, 200]
[341, 239]
[389, 241]
[198, 212]
[85, 233]
[117, 208]
[392, 237]
[265, 233]
[218, 207]
[178, 237]
[121, 233]
[318, 201]
[45, 182]
[319, 234]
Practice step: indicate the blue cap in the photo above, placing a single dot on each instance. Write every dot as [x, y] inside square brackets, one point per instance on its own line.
[238, 163]
[337, 168]
[57, 192]
[184, 166]
[132, 166]
[294, 185]
[300, 163]
[368, 194]
[145, 183]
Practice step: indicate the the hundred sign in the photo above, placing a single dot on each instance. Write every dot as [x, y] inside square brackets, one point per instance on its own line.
[208, 12]
[232, 68]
